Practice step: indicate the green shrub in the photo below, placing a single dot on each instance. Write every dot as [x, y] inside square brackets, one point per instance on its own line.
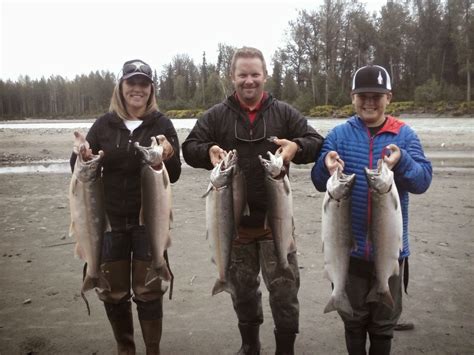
[429, 92]
[195, 113]
[322, 111]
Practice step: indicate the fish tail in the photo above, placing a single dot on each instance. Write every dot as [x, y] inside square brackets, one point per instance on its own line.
[89, 283]
[220, 286]
[384, 297]
[154, 274]
[330, 306]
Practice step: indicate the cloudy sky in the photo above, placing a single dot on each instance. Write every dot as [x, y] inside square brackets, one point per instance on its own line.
[69, 37]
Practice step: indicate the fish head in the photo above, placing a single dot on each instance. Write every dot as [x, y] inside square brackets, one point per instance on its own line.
[339, 185]
[380, 180]
[273, 166]
[152, 155]
[88, 170]
[222, 173]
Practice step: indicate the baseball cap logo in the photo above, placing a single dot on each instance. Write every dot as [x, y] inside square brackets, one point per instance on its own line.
[380, 79]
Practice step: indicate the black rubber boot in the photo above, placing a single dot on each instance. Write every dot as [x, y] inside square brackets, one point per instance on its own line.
[355, 343]
[250, 339]
[121, 319]
[285, 342]
[380, 344]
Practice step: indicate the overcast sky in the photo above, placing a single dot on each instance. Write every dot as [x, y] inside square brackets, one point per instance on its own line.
[69, 38]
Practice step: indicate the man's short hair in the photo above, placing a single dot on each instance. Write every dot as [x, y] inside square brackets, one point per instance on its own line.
[247, 52]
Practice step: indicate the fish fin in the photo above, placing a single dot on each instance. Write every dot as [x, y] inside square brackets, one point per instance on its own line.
[353, 245]
[395, 201]
[89, 283]
[209, 189]
[166, 180]
[265, 222]
[171, 216]
[284, 274]
[154, 274]
[87, 303]
[325, 204]
[326, 274]
[286, 185]
[383, 297]
[141, 219]
[246, 211]
[220, 286]
[71, 229]
[108, 228]
[330, 306]
[340, 304]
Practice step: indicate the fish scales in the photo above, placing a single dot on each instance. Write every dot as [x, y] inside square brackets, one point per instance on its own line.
[337, 238]
[385, 230]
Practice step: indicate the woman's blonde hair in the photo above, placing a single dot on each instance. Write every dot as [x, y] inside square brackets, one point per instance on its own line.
[117, 102]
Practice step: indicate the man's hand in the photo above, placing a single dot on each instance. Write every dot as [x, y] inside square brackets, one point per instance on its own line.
[216, 154]
[394, 157]
[333, 162]
[80, 140]
[287, 149]
[168, 150]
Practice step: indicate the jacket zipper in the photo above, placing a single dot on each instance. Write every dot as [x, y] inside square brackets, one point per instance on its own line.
[369, 197]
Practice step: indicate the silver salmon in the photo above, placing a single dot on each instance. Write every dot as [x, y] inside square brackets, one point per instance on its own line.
[337, 238]
[220, 224]
[385, 230]
[156, 213]
[279, 210]
[88, 218]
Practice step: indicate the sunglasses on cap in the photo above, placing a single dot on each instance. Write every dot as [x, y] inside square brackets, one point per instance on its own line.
[136, 67]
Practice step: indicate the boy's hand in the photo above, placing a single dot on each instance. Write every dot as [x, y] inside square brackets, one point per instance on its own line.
[333, 162]
[394, 157]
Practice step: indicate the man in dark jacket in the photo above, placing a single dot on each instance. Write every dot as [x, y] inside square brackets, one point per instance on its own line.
[245, 121]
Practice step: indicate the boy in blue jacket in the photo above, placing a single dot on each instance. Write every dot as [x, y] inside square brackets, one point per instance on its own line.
[358, 143]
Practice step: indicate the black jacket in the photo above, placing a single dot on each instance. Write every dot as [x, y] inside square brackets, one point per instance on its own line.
[121, 164]
[228, 126]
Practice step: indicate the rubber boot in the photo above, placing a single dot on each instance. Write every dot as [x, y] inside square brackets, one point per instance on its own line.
[355, 343]
[285, 342]
[380, 344]
[250, 339]
[121, 319]
[152, 330]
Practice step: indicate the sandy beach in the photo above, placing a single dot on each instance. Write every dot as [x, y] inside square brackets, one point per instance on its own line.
[41, 311]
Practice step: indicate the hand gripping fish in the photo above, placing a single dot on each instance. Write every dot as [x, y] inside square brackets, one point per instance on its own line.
[279, 211]
[220, 219]
[156, 212]
[385, 230]
[338, 241]
[88, 218]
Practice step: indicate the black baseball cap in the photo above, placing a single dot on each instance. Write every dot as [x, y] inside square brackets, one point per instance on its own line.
[136, 67]
[371, 78]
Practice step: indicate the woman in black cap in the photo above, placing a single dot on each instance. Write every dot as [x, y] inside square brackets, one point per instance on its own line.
[133, 117]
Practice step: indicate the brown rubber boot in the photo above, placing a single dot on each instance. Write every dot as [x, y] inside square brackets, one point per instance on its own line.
[250, 339]
[151, 330]
[121, 319]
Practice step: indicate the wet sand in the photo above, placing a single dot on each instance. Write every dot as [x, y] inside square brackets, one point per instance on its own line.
[41, 310]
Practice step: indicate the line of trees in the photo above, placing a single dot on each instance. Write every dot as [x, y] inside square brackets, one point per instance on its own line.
[427, 46]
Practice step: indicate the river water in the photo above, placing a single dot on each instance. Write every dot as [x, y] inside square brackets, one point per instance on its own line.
[462, 129]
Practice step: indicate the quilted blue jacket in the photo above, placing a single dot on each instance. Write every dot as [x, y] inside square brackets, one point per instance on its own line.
[352, 141]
